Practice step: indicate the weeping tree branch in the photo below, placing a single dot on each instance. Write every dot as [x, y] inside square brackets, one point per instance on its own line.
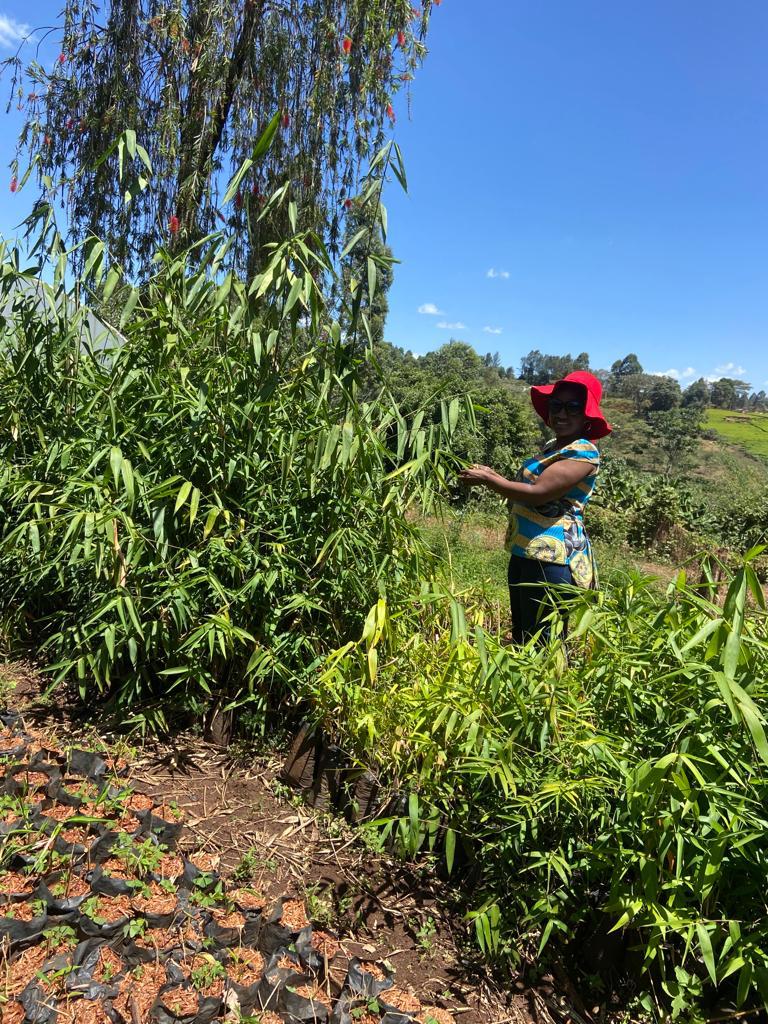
[198, 83]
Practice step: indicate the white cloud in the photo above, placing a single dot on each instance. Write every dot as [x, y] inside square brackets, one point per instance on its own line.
[11, 32]
[458, 326]
[728, 370]
[492, 330]
[430, 309]
[732, 370]
[497, 273]
[685, 374]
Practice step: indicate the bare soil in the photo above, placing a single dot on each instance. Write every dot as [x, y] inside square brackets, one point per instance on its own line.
[378, 908]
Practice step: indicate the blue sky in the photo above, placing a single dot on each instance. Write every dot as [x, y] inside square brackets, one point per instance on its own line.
[583, 177]
[609, 162]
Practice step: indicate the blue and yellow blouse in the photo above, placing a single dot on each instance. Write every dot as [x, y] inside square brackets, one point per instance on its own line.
[555, 532]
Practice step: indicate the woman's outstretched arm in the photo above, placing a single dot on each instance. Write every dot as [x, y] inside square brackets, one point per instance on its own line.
[554, 482]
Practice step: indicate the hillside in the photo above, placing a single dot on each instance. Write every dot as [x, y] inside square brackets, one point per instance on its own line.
[748, 431]
[731, 457]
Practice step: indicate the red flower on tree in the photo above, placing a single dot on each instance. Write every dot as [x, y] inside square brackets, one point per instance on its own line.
[348, 204]
[401, 38]
[346, 44]
[286, 119]
[14, 183]
[391, 113]
[62, 58]
[173, 224]
[239, 201]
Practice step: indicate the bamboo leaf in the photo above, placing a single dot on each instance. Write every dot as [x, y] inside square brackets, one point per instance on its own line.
[705, 945]
[184, 492]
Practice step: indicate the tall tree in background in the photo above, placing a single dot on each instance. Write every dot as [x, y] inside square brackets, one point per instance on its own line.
[697, 393]
[730, 393]
[662, 395]
[198, 82]
[537, 368]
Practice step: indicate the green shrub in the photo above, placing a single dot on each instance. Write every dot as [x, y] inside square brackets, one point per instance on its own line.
[610, 526]
[626, 784]
[195, 513]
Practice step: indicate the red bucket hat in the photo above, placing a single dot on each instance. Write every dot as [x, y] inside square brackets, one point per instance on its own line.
[597, 424]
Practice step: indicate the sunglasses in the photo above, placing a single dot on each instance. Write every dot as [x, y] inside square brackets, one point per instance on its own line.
[572, 407]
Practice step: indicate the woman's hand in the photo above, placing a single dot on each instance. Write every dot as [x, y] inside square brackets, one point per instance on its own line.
[477, 475]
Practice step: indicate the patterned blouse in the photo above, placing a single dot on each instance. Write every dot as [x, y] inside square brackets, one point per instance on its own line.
[555, 532]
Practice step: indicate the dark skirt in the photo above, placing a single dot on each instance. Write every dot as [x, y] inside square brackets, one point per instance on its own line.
[534, 589]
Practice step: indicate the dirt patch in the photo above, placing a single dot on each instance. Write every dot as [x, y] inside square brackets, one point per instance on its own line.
[240, 823]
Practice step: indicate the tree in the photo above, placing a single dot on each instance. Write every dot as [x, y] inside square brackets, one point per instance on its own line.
[537, 368]
[455, 364]
[697, 394]
[662, 394]
[533, 368]
[676, 436]
[730, 393]
[581, 362]
[198, 83]
[635, 386]
[626, 367]
[505, 430]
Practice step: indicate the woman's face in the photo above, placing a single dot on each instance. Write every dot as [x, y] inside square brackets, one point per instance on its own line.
[566, 411]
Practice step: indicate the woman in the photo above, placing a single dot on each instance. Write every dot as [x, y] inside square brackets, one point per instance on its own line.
[546, 536]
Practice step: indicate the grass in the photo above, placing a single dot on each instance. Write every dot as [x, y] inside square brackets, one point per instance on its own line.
[748, 431]
[472, 544]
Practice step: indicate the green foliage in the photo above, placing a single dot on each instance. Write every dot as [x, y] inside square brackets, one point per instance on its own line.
[677, 432]
[195, 512]
[647, 504]
[629, 366]
[609, 525]
[697, 393]
[729, 393]
[368, 259]
[662, 395]
[627, 783]
[503, 429]
[537, 368]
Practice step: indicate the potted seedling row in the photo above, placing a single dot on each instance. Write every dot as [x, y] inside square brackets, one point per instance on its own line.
[98, 967]
[63, 891]
[368, 979]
